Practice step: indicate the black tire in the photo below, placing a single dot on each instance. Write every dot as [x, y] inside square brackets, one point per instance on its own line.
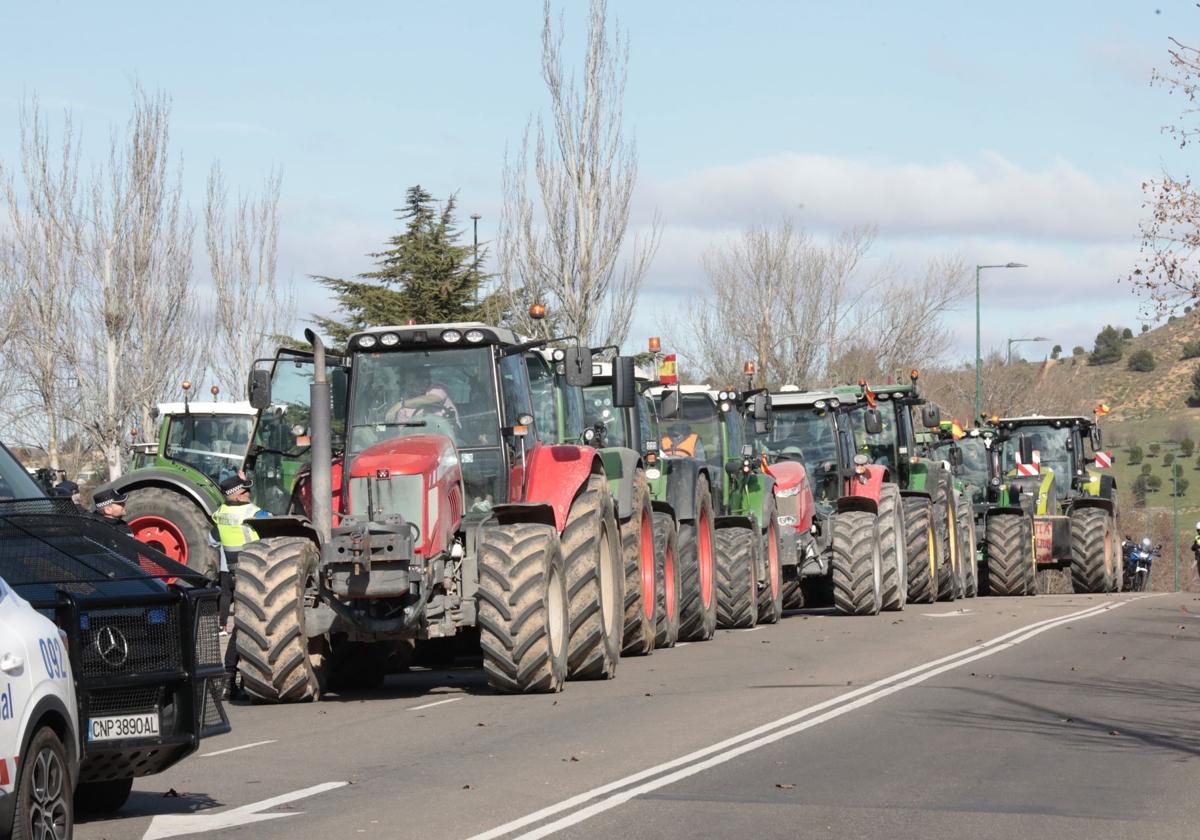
[188, 518]
[523, 617]
[1094, 561]
[946, 529]
[770, 571]
[893, 548]
[1007, 554]
[666, 580]
[970, 564]
[696, 560]
[922, 552]
[276, 579]
[94, 798]
[793, 595]
[595, 583]
[43, 788]
[857, 576]
[737, 577]
[637, 550]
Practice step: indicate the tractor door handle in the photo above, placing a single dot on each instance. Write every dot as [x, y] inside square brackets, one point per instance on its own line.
[10, 663]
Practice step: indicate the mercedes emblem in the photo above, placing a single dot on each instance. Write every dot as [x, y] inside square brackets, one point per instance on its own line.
[112, 646]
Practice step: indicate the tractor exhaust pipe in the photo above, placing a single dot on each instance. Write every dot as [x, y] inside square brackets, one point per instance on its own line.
[321, 435]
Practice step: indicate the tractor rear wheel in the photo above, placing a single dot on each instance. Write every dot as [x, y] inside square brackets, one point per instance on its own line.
[970, 564]
[276, 581]
[1093, 551]
[175, 525]
[1007, 555]
[922, 551]
[793, 595]
[737, 577]
[770, 576]
[892, 548]
[857, 574]
[637, 548]
[595, 583]
[696, 558]
[523, 622]
[666, 581]
[945, 527]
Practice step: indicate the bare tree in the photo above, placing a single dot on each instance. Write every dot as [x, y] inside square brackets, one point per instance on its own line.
[39, 273]
[138, 328]
[251, 308]
[562, 246]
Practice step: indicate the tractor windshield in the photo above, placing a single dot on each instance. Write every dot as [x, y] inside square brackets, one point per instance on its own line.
[696, 432]
[598, 410]
[975, 460]
[880, 448]
[802, 433]
[1051, 446]
[214, 444]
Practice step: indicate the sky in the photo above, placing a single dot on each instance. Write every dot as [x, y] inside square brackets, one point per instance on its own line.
[1002, 132]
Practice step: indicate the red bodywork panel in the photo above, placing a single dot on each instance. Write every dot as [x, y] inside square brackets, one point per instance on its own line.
[789, 474]
[555, 474]
[871, 487]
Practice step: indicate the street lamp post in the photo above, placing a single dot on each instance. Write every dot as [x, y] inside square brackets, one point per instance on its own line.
[1012, 341]
[475, 217]
[978, 340]
[1175, 515]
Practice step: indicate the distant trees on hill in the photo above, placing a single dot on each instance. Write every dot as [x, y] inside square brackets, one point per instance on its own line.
[1109, 346]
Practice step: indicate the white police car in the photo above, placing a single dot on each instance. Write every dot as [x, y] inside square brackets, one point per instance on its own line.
[39, 725]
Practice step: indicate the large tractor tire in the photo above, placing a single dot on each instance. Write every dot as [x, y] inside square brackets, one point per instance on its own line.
[970, 562]
[793, 595]
[893, 548]
[276, 580]
[770, 572]
[946, 528]
[737, 577]
[922, 551]
[175, 525]
[1094, 555]
[523, 620]
[696, 558]
[857, 573]
[1007, 555]
[595, 583]
[637, 549]
[667, 585]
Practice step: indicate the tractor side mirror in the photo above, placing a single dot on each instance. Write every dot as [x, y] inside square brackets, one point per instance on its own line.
[734, 466]
[258, 389]
[1097, 441]
[1025, 449]
[577, 366]
[669, 409]
[873, 421]
[761, 412]
[624, 384]
[931, 416]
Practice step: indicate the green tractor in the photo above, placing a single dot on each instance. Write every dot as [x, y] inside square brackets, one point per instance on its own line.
[173, 489]
[709, 425]
[930, 500]
[1074, 505]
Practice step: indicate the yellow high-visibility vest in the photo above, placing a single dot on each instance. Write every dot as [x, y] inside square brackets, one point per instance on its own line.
[231, 524]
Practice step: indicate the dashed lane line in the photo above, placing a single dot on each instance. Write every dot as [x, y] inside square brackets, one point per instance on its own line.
[235, 749]
[431, 705]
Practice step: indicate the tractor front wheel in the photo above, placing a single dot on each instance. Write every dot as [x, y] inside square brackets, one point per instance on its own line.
[857, 573]
[1007, 555]
[666, 581]
[175, 525]
[595, 583]
[1093, 551]
[697, 564]
[892, 548]
[737, 577]
[770, 582]
[637, 548]
[922, 551]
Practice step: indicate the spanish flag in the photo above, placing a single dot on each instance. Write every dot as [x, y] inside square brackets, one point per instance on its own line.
[956, 430]
[1102, 409]
[870, 395]
[666, 371]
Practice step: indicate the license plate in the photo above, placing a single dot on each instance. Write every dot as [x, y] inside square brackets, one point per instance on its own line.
[115, 727]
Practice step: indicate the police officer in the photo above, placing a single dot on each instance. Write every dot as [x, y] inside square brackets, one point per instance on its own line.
[110, 507]
[233, 532]
[1196, 548]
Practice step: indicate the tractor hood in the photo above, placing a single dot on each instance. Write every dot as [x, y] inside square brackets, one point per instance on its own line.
[787, 474]
[412, 455]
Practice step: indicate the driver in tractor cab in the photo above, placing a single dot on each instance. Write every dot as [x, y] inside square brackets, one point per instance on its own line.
[681, 441]
[421, 396]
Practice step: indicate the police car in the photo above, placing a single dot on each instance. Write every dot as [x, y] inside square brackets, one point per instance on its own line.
[39, 728]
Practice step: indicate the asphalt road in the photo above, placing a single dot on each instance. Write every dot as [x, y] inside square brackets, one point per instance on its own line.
[1074, 716]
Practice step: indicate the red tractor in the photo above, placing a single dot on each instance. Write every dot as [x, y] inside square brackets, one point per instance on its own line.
[434, 508]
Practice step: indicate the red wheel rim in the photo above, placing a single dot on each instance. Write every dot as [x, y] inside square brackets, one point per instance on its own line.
[162, 534]
[647, 564]
[704, 544]
[773, 560]
[669, 582]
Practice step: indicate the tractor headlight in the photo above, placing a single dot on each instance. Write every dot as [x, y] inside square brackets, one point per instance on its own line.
[389, 339]
[451, 336]
[474, 336]
[819, 404]
[366, 342]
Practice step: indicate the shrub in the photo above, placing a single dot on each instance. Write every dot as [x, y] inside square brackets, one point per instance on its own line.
[1153, 483]
[1196, 387]
[1145, 328]
[1191, 350]
[1155, 448]
[1135, 454]
[1139, 491]
[1109, 347]
[1056, 352]
[1127, 334]
[1186, 447]
[1168, 459]
[1141, 360]
[1077, 350]
[1181, 487]
[1146, 469]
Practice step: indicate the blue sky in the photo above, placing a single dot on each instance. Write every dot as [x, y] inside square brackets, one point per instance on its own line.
[1001, 131]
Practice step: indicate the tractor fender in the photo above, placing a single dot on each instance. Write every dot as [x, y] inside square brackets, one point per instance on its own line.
[537, 512]
[736, 522]
[620, 465]
[869, 484]
[682, 475]
[866, 504]
[556, 473]
[167, 479]
[1005, 510]
[662, 507]
[917, 494]
[284, 526]
[1107, 505]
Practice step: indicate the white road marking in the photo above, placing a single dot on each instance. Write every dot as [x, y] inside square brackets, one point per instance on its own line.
[431, 705]
[175, 825]
[752, 629]
[235, 749]
[682, 644]
[844, 703]
[954, 614]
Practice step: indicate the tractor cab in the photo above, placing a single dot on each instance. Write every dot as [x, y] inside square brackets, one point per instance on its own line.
[806, 428]
[210, 438]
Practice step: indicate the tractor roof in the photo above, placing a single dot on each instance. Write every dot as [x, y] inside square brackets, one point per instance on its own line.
[802, 398]
[229, 409]
[707, 390]
[431, 335]
[1051, 420]
[603, 370]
